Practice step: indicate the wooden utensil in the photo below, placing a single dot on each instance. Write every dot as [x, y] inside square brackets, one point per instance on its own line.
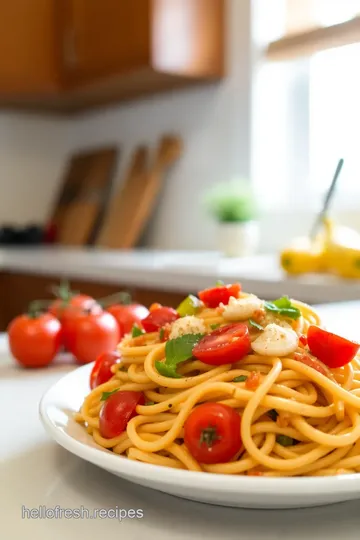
[132, 209]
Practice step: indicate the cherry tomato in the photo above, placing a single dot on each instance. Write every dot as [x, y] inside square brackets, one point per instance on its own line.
[117, 410]
[158, 318]
[60, 307]
[216, 295]
[127, 315]
[101, 372]
[70, 316]
[92, 333]
[154, 306]
[225, 345]
[212, 433]
[314, 363]
[335, 351]
[34, 341]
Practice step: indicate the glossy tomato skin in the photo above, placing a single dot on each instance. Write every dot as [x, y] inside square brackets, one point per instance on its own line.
[212, 433]
[59, 307]
[116, 412]
[217, 295]
[34, 342]
[128, 315]
[101, 372]
[158, 318]
[225, 345]
[333, 350]
[92, 334]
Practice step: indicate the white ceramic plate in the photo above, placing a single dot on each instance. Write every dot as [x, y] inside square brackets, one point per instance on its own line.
[66, 396]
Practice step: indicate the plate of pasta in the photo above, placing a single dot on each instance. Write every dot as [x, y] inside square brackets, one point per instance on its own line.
[228, 399]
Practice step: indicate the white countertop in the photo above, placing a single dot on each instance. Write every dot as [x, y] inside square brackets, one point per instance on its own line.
[35, 471]
[177, 271]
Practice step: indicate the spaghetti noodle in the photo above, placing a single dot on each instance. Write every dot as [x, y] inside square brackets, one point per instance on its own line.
[298, 418]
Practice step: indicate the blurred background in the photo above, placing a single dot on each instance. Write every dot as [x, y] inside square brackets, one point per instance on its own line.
[196, 125]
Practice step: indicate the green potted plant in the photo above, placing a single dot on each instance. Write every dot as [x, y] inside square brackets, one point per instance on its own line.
[232, 205]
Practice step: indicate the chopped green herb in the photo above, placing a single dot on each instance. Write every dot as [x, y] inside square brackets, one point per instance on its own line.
[284, 440]
[240, 378]
[214, 326]
[189, 306]
[273, 414]
[283, 306]
[177, 351]
[123, 368]
[161, 334]
[105, 395]
[150, 403]
[219, 283]
[255, 325]
[136, 331]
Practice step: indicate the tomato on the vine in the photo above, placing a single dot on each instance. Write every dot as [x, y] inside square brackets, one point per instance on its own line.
[34, 340]
[221, 294]
[93, 332]
[62, 308]
[117, 410]
[212, 433]
[127, 315]
[158, 318]
[101, 372]
[226, 345]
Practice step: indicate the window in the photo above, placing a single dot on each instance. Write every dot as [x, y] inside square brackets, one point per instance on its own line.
[306, 107]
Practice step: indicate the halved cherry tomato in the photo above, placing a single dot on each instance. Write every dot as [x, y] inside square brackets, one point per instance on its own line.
[158, 318]
[116, 412]
[101, 372]
[216, 295]
[335, 351]
[127, 315]
[212, 433]
[312, 362]
[225, 345]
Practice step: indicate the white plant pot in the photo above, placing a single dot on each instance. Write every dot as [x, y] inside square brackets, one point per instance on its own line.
[238, 239]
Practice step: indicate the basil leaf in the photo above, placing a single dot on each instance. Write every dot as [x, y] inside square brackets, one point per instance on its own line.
[189, 306]
[177, 351]
[255, 325]
[214, 326]
[240, 378]
[105, 395]
[136, 331]
[283, 306]
[284, 440]
[273, 414]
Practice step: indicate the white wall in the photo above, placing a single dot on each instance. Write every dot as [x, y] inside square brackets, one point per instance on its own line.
[213, 121]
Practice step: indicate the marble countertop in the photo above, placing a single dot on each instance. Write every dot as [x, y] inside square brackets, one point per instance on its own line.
[36, 472]
[177, 271]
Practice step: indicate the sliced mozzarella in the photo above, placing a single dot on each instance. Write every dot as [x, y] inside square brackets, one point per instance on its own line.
[241, 309]
[276, 341]
[187, 325]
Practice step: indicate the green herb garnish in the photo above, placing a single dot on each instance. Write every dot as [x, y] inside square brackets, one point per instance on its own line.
[273, 414]
[150, 403]
[282, 306]
[240, 378]
[136, 331]
[255, 325]
[177, 351]
[219, 283]
[189, 306]
[161, 334]
[214, 326]
[105, 395]
[284, 440]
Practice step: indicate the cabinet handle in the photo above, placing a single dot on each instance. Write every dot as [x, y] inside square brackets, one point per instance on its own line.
[70, 57]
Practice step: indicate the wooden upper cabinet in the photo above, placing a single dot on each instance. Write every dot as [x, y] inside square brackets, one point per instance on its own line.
[29, 61]
[70, 55]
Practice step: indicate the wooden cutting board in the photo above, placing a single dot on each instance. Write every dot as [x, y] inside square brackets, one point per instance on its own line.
[131, 208]
[84, 195]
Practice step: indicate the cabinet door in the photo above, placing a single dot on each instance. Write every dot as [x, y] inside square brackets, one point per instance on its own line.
[28, 47]
[104, 37]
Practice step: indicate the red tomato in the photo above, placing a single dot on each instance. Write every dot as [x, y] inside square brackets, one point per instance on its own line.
[60, 307]
[302, 340]
[335, 351]
[158, 318]
[34, 341]
[314, 363]
[216, 295]
[225, 345]
[70, 316]
[116, 412]
[212, 433]
[92, 333]
[101, 372]
[128, 315]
